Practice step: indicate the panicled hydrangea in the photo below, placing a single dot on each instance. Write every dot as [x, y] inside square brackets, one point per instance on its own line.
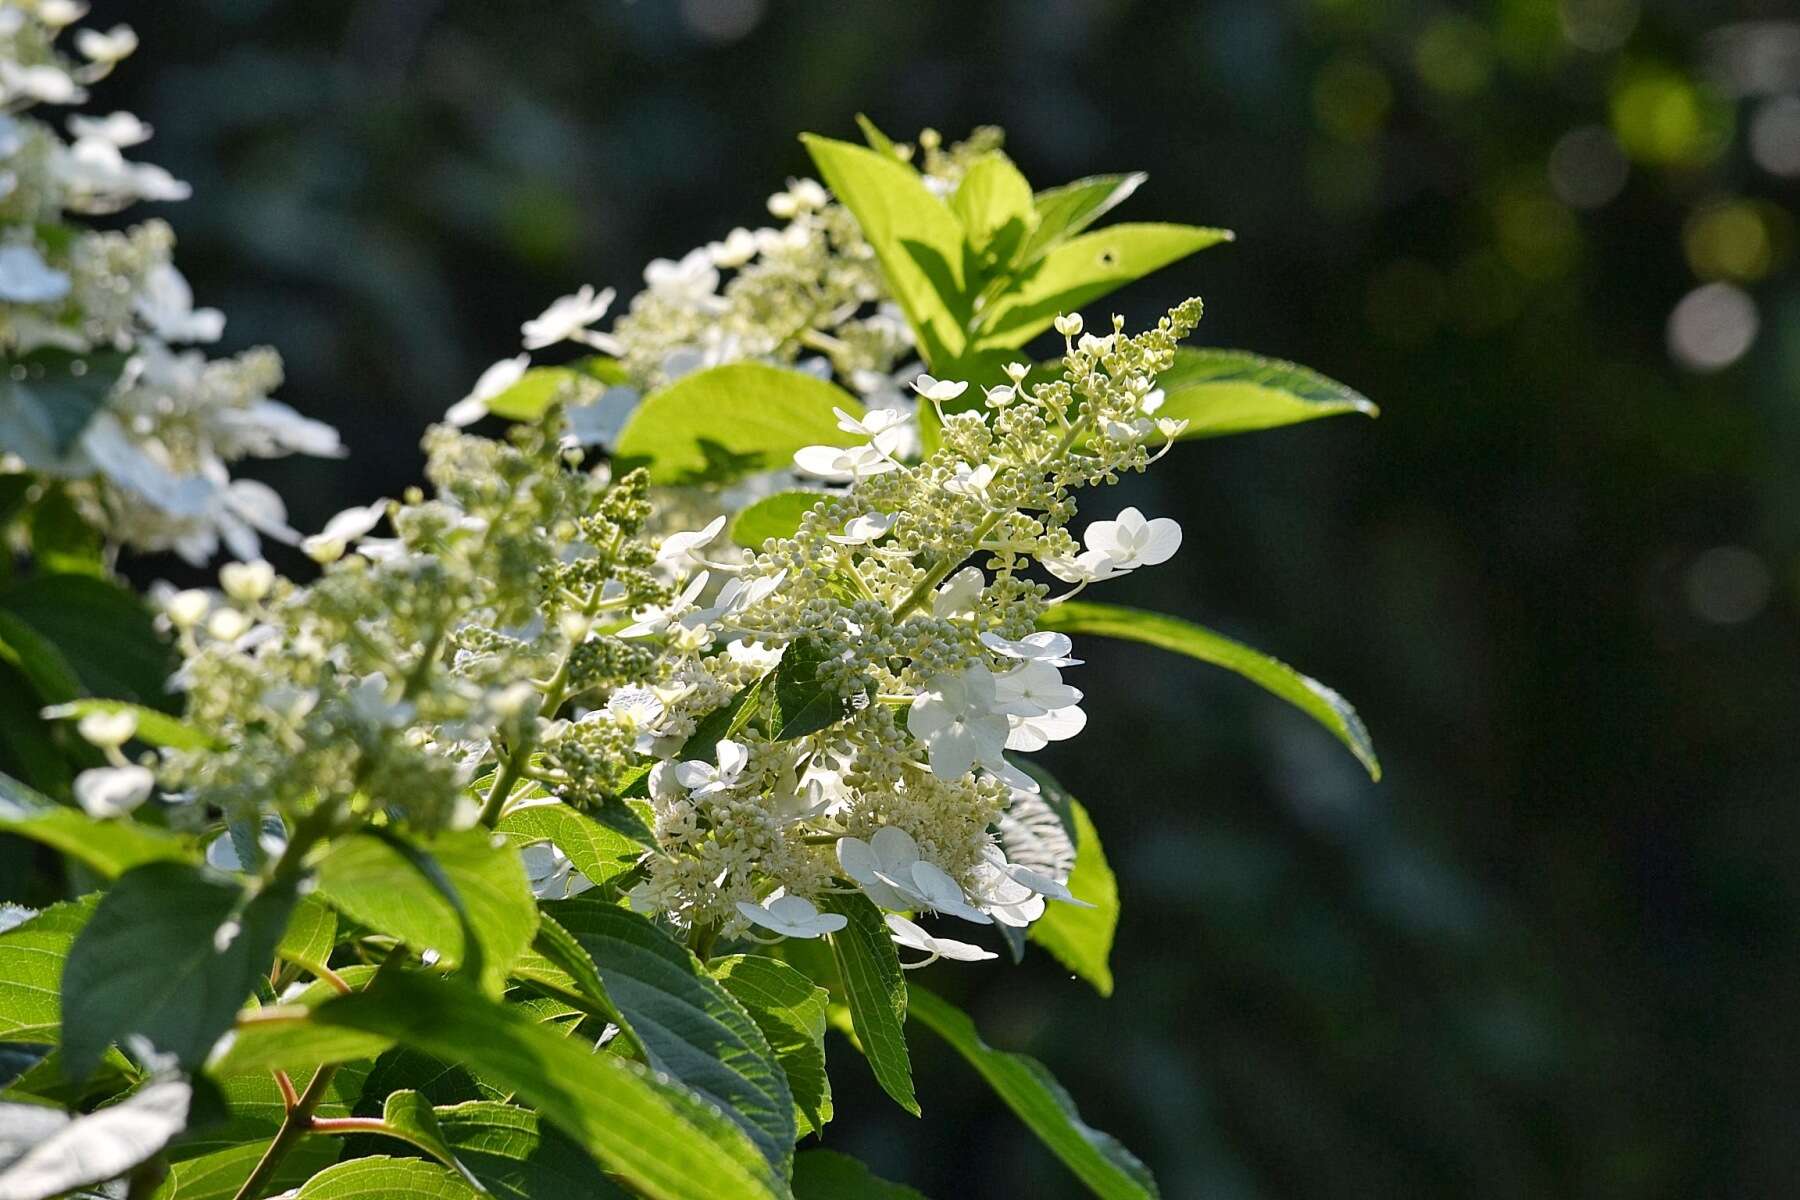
[524, 636]
[103, 315]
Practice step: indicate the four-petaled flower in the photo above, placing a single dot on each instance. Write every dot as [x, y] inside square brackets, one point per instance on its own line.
[957, 716]
[792, 916]
[567, 319]
[702, 778]
[913, 937]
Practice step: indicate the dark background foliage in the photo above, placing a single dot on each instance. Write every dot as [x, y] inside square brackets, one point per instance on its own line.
[1553, 952]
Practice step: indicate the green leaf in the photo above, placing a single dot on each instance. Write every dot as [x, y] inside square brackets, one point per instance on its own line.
[381, 1178]
[917, 240]
[804, 702]
[154, 727]
[47, 398]
[410, 1116]
[790, 1010]
[1084, 269]
[726, 422]
[168, 956]
[219, 1174]
[776, 516]
[278, 1036]
[32, 955]
[61, 538]
[599, 852]
[1065, 211]
[311, 934]
[994, 204]
[103, 631]
[878, 141]
[654, 1136]
[45, 1153]
[1080, 938]
[578, 382]
[109, 847]
[1109, 1170]
[875, 988]
[828, 1175]
[1221, 392]
[459, 893]
[688, 1024]
[517, 1156]
[1183, 637]
[37, 658]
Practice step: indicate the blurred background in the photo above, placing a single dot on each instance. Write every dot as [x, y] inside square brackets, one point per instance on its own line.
[1553, 952]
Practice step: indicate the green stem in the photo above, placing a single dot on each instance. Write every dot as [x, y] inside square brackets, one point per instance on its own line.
[294, 1126]
[555, 692]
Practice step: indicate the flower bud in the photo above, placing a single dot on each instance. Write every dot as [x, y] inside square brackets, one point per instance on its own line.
[186, 608]
[247, 582]
[1068, 324]
[108, 730]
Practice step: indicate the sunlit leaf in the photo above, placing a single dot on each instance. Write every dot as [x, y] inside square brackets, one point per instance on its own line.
[32, 956]
[875, 989]
[790, 1010]
[776, 516]
[726, 422]
[1220, 392]
[388, 1179]
[1065, 211]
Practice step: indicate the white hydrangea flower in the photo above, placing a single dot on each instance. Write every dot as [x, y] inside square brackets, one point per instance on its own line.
[1132, 541]
[957, 717]
[792, 916]
[25, 278]
[913, 937]
[1046, 646]
[113, 791]
[702, 778]
[552, 875]
[568, 319]
[496, 379]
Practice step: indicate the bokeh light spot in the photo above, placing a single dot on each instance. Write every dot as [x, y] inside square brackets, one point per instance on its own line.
[1587, 167]
[1712, 326]
[1727, 585]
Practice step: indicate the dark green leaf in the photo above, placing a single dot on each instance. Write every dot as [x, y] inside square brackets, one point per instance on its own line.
[434, 894]
[218, 1174]
[1183, 637]
[168, 956]
[875, 988]
[687, 1023]
[790, 1010]
[103, 631]
[828, 1175]
[776, 516]
[917, 240]
[726, 422]
[1109, 1170]
[47, 397]
[655, 1136]
[409, 1115]
[804, 703]
[38, 659]
[1221, 392]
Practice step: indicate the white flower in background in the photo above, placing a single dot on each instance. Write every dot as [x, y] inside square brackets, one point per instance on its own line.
[1046, 646]
[598, 423]
[913, 937]
[166, 304]
[113, 791]
[247, 582]
[703, 778]
[1090, 566]
[496, 379]
[860, 531]
[552, 875]
[567, 319]
[115, 45]
[14, 915]
[679, 547]
[1131, 541]
[754, 655]
[792, 916]
[25, 278]
[874, 423]
[332, 542]
[738, 248]
[958, 718]
[108, 730]
[691, 281]
[122, 129]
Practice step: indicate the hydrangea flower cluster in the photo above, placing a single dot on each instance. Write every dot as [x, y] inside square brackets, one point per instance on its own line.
[96, 385]
[520, 637]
